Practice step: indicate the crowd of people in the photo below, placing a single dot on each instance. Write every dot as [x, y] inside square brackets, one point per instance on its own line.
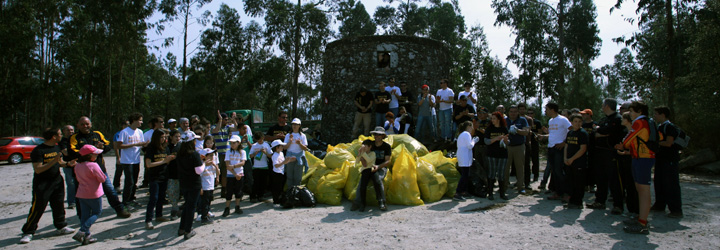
[191, 158]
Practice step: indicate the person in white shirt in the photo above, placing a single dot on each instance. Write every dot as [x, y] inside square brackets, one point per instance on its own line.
[260, 152]
[426, 114]
[465, 144]
[209, 178]
[234, 160]
[471, 96]
[296, 145]
[445, 98]
[558, 127]
[277, 176]
[132, 141]
[395, 92]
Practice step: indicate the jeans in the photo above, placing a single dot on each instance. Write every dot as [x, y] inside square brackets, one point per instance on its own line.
[395, 111]
[111, 194]
[91, 210]
[191, 196]
[118, 174]
[422, 122]
[70, 185]
[294, 170]
[155, 203]
[130, 181]
[379, 119]
[667, 185]
[364, 120]
[555, 162]
[446, 123]
[377, 178]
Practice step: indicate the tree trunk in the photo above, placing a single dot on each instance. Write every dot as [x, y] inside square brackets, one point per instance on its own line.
[296, 66]
[672, 54]
[184, 67]
[561, 48]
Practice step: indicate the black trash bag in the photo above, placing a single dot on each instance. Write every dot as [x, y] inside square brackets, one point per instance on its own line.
[291, 198]
[306, 197]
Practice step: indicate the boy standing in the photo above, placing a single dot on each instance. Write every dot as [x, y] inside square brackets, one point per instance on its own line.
[576, 159]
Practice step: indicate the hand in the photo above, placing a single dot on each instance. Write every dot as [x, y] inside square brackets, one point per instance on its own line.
[621, 152]
[559, 145]
[71, 163]
[217, 181]
[100, 145]
[619, 146]
[375, 168]
[568, 162]
[291, 159]
[298, 141]
[170, 158]
[238, 177]
[64, 151]
[58, 159]
[219, 117]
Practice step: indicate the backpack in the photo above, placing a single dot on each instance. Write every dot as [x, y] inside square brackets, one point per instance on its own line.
[306, 197]
[652, 142]
[682, 139]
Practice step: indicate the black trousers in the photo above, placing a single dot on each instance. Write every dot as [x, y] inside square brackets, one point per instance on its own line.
[205, 199]
[527, 169]
[667, 185]
[118, 174]
[277, 184]
[576, 178]
[191, 196]
[627, 186]
[261, 178]
[377, 179]
[535, 158]
[52, 192]
[606, 171]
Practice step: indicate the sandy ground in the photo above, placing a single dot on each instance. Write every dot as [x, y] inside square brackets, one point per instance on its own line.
[524, 222]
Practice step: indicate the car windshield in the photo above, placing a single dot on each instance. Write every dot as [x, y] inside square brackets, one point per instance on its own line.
[4, 142]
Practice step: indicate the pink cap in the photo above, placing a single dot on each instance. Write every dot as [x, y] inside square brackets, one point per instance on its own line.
[90, 149]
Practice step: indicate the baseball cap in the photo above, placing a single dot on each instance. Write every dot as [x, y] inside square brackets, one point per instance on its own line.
[587, 111]
[89, 149]
[235, 138]
[205, 151]
[425, 86]
[189, 136]
[276, 143]
[295, 121]
[172, 120]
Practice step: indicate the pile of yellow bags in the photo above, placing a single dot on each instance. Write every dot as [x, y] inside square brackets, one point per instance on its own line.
[416, 175]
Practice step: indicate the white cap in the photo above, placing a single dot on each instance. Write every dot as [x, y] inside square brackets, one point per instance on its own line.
[189, 136]
[172, 120]
[276, 143]
[295, 121]
[235, 138]
[205, 151]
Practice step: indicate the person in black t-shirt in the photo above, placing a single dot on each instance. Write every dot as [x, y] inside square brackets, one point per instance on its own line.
[363, 102]
[279, 130]
[406, 100]
[47, 185]
[382, 104]
[173, 182]
[496, 139]
[589, 126]
[667, 179]
[478, 171]
[374, 171]
[608, 133]
[576, 143]
[156, 160]
[536, 128]
[190, 166]
[463, 112]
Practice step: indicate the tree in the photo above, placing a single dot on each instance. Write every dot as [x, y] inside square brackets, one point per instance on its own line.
[355, 20]
[299, 30]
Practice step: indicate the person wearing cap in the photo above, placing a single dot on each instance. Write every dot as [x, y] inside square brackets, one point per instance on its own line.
[471, 96]
[156, 161]
[172, 124]
[395, 94]
[234, 160]
[445, 97]
[609, 132]
[382, 100]
[87, 136]
[210, 177]
[189, 168]
[426, 103]
[589, 126]
[296, 145]
[363, 102]
[90, 191]
[463, 112]
[132, 141]
[277, 176]
[374, 171]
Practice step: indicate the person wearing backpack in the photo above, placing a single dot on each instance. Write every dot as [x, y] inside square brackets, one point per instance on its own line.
[638, 144]
[667, 180]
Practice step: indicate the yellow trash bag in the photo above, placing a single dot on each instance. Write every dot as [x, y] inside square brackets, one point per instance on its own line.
[319, 170]
[432, 184]
[445, 166]
[330, 186]
[335, 159]
[354, 147]
[343, 145]
[412, 145]
[403, 188]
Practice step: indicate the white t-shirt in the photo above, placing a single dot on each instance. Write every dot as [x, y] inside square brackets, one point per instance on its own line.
[199, 144]
[260, 158]
[208, 177]
[558, 129]
[294, 147]
[465, 146]
[469, 101]
[235, 157]
[147, 136]
[445, 95]
[278, 158]
[131, 155]
[394, 100]
[249, 131]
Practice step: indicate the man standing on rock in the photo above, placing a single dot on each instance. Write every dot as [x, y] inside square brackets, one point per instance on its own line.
[86, 136]
[47, 185]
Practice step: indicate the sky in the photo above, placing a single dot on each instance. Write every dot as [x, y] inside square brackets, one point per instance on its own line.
[499, 38]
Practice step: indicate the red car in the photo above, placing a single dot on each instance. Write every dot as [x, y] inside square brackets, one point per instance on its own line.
[16, 149]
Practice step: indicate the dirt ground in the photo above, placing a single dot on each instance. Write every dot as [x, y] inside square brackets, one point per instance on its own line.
[523, 222]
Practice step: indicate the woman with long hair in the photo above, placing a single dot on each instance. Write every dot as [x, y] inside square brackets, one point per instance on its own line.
[190, 166]
[156, 160]
[496, 137]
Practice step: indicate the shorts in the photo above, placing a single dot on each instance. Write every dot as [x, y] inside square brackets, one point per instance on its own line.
[234, 187]
[641, 170]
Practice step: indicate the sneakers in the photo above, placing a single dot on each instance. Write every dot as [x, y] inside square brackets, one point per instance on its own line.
[71, 206]
[503, 196]
[522, 192]
[383, 207]
[123, 213]
[596, 205]
[79, 237]
[617, 211]
[211, 215]
[198, 218]
[173, 214]
[26, 238]
[206, 221]
[636, 228]
[189, 235]
[149, 226]
[65, 230]
[89, 240]
[458, 197]
[226, 213]
[675, 215]
[238, 210]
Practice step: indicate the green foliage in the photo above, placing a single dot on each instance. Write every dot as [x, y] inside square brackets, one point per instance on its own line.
[355, 20]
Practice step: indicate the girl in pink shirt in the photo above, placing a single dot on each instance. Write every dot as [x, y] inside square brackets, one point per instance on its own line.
[89, 193]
